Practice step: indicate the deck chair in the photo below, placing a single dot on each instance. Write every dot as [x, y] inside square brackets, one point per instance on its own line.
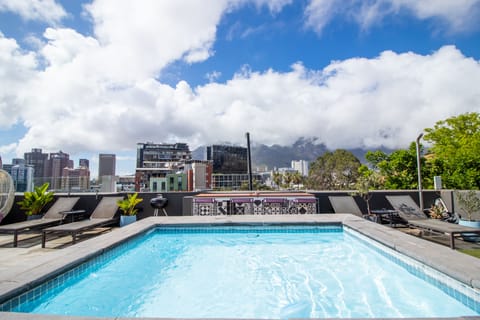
[345, 204]
[53, 216]
[102, 215]
[409, 211]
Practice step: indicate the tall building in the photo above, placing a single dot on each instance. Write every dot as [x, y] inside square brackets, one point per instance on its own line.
[84, 163]
[38, 160]
[227, 159]
[22, 176]
[106, 165]
[229, 165]
[1, 165]
[154, 155]
[75, 179]
[54, 168]
[106, 171]
[302, 166]
[199, 175]
[156, 161]
[18, 161]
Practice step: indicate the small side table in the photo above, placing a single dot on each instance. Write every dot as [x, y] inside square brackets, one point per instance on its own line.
[385, 212]
[72, 214]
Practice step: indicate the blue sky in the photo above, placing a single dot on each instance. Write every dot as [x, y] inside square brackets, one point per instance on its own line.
[90, 77]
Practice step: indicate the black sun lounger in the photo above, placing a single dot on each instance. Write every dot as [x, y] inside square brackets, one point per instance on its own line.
[410, 212]
[345, 204]
[103, 215]
[53, 216]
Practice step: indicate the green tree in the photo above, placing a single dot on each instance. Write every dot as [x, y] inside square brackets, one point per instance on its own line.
[455, 151]
[397, 169]
[277, 179]
[296, 178]
[367, 181]
[336, 170]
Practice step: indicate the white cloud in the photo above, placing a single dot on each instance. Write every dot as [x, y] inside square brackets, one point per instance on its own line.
[96, 93]
[454, 16]
[16, 68]
[7, 149]
[139, 40]
[212, 76]
[384, 101]
[43, 10]
[353, 103]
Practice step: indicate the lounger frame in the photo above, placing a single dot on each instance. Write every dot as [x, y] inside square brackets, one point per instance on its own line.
[414, 217]
[52, 217]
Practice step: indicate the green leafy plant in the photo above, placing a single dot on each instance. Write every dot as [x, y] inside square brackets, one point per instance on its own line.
[469, 201]
[128, 205]
[34, 202]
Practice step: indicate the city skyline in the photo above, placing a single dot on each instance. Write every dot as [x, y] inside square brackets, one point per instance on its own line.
[94, 77]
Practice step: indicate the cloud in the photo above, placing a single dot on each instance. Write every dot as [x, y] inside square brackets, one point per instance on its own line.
[212, 76]
[385, 101]
[10, 148]
[16, 68]
[41, 10]
[88, 94]
[160, 32]
[359, 102]
[455, 16]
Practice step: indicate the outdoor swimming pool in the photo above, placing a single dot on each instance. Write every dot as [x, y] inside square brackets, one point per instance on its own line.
[249, 272]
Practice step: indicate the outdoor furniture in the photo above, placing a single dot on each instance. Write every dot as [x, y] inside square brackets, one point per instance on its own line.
[345, 204]
[381, 213]
[54, 215]
[409, 211]
[103, 215]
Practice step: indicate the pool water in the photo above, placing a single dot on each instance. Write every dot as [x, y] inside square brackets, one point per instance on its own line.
[307, 272]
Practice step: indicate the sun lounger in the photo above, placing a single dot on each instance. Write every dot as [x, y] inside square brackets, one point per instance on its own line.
[345, 204]
[54, 215]
[103, 215]
[409, 211]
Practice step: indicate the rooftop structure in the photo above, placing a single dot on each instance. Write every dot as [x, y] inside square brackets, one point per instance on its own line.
[228, 159]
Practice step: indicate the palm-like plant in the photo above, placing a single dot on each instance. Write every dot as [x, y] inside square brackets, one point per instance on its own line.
[128, 205]
[33, 202]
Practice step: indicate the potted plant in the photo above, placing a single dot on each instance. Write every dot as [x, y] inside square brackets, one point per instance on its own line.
[34, 202]
[127, 206]
[469, 202]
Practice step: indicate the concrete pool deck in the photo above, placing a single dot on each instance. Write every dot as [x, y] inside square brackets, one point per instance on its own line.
[25, 268]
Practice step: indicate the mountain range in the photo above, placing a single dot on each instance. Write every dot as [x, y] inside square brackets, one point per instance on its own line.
[277, 156]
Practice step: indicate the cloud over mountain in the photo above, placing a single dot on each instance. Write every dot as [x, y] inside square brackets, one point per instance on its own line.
[101, 91]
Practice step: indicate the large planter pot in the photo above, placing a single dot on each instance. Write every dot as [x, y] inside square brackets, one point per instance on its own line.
[125, 220]
[471, 237]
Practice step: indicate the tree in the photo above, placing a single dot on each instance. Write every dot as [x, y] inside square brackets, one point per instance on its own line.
[287, 179]
[277, 179]
[334, 171]
[368, 180]
[398, 169]
[455, 151]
